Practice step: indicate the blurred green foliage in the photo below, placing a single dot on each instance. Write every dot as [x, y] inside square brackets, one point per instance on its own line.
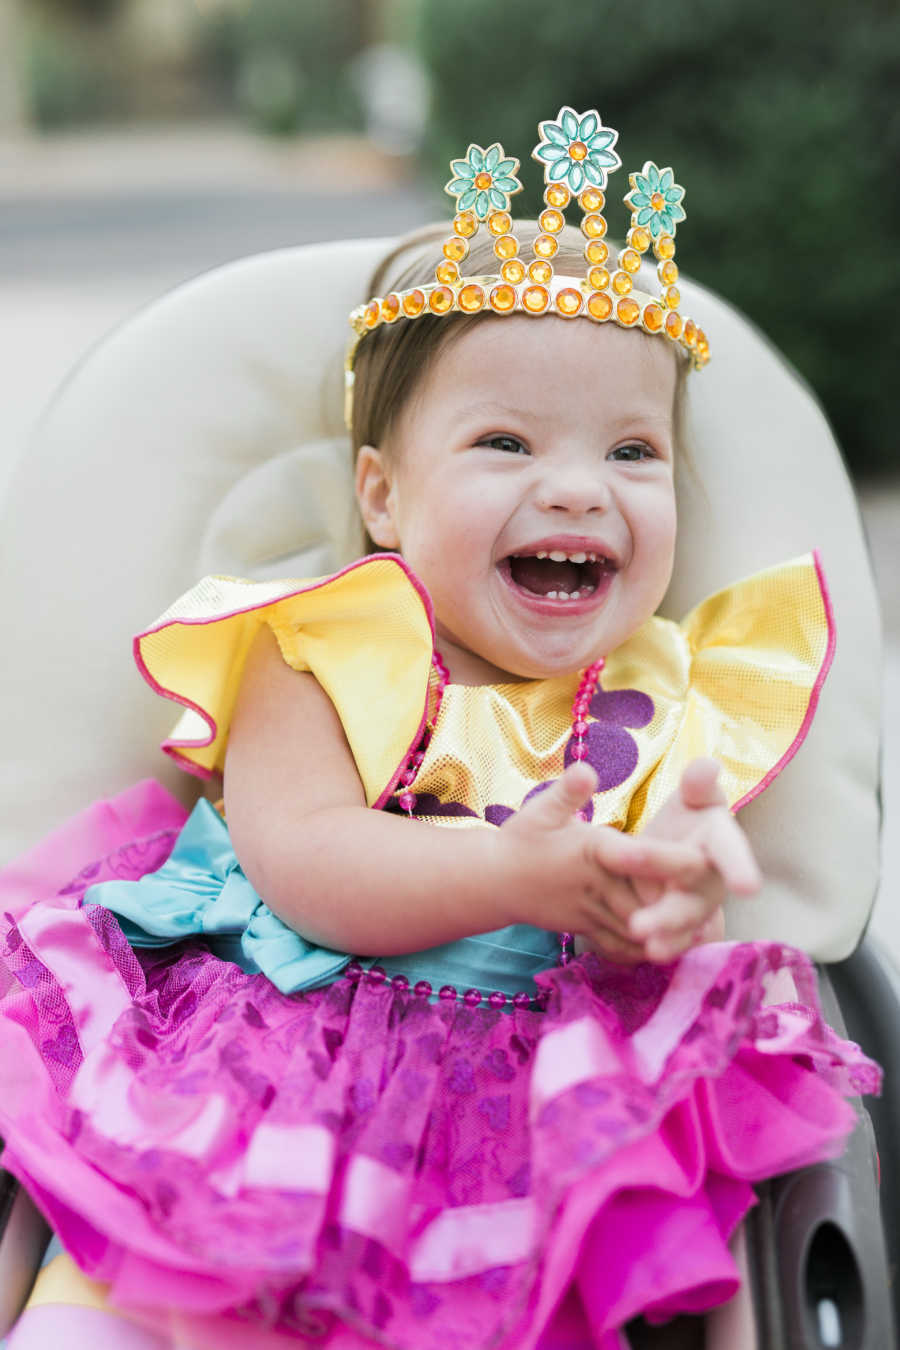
[781, 120]
[69, 73]
[283, 63]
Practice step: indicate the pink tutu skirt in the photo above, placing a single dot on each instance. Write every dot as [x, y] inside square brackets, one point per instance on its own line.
[361, 1166]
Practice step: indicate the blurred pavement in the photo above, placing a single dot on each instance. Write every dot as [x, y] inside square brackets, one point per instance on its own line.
[92, 226]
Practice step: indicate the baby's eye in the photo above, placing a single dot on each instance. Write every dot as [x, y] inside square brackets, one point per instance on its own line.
[632, 453]
[509, 444]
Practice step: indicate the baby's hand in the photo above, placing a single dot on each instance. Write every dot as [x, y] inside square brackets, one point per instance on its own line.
[677, 917]
[576, 878]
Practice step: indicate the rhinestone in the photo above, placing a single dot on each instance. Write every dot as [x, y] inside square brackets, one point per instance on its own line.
[652, 318]
[621, 283]
[455, 248]
[672, 297]
[440, 300]
[657, 200]
[483, 181]
[596, 251]
[639, 238]
[465, 224]
[702, 345]
[372, 313]
[447, 272]
[506, 246]
[414, 303]
[664, 246]
[513, 271]
[551, 222]
[599, 305]
[545, 246]
[540, 271]
[557, 194]
[502, 299]
[390, 307]
[578, 151]
[628, 311]
[673, 324]
[471, 298]
[569, 302]
[594, 226]
[667, 271]
[592, 199]
[598, 278]
[630, 259]
[690, 332]
[536, 299]
[499, 222]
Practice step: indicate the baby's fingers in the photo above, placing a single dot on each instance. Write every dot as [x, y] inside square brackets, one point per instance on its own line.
[647, 858]
[671, 923]
[728, 850]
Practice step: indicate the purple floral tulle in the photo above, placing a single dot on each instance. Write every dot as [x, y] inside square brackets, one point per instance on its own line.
[359, 1166]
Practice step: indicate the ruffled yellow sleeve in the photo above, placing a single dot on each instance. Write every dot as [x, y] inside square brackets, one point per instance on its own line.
[738, 679]
[366, 634]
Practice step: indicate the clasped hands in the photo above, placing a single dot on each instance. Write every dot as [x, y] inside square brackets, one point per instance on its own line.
[646, 897]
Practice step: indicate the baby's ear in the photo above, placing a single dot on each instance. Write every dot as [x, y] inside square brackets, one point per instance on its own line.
[373, 493]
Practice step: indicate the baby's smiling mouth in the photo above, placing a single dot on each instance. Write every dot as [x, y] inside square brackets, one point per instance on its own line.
[558, 574]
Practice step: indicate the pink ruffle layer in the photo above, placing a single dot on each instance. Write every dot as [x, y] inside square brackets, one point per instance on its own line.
[358, 1166]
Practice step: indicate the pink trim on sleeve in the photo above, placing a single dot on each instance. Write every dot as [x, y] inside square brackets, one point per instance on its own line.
[813, 697]
[174, 748]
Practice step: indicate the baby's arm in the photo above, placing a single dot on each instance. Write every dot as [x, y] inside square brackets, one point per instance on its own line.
[366, 881]
[674, 919]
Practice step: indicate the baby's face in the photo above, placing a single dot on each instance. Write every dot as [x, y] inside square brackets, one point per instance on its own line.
[531, 490]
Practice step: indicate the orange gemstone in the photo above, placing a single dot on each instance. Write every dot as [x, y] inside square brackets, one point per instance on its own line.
[690, 332]
[596, 251]
[599, 305]
[630, 259]
[664, 246]
[471, 298]
[628, 311]
[499, 222]
[507, 246]
[569, 302]
[672, 297]
[502, 299]
[483, 181]
[598, 278]
[372, 313]
[390, 307]
[513, 271]
[652, 318]
[657, 201]
[440, 300]
[557, 194]
[541, 272]
[594, 227]
[551, 222]
[592, 199]
[639, 238]
[667, 272]
[536, 299]
[455, 248]
[673, 324]
[621, 283]
[578, 151]
[414, 303]
[466, 223]
[545, 246]
[447, 272]
[702, 345]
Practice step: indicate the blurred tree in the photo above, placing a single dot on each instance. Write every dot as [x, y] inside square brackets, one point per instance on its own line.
[783, 123]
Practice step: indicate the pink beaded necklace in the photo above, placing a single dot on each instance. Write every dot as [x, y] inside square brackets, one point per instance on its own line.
[407, 800]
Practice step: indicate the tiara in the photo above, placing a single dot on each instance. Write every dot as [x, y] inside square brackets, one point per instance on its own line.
[577, 155]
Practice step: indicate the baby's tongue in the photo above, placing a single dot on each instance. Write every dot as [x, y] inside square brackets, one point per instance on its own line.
[541, 575]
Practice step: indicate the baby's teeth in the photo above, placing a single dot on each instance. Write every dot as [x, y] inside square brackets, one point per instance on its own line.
[552, 595]
[556, 556]
[542, 553]
[577, 557]
[592, 557]
[575, 595]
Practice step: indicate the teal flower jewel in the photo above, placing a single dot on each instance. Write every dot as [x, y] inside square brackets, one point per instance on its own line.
[577, 150]
[655, 200]
[484, 181]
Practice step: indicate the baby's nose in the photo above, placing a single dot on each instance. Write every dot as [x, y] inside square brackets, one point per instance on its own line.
[574, 488]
